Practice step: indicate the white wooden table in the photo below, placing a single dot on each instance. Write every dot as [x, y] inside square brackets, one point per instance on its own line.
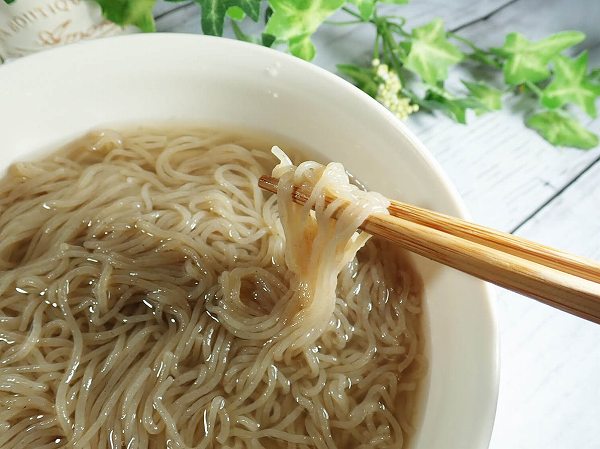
[513, 180]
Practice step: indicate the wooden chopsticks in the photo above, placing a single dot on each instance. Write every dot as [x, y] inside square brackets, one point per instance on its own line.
[567, 282]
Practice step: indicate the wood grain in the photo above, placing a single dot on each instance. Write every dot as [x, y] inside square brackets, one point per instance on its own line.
[507, 243]
[566, 292]
[550, 361]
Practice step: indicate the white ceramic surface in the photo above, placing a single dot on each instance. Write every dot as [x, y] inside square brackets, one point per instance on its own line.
[50, 97]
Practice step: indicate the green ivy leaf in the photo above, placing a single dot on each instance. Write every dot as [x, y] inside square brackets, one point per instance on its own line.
[431, 54]
[560, 130]
[8, 2]
[486, 58]
[267, 40]
[365, 8]
[455, 108]
[528, 61]
[130, 12]
[302, 47]
[296, 20]
[240, 35]
[489, 97]
[268, 13]
[213, 13]
[570, 85]
[250, 7]
[362, 77]
[594, 76]
[236, 13]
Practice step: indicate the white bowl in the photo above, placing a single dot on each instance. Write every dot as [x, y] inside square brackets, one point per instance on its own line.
[51, 97]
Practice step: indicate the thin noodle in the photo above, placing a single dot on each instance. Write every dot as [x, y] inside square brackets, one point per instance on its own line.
[152, 296]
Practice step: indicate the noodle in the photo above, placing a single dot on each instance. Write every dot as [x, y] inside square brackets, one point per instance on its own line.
[152, 296]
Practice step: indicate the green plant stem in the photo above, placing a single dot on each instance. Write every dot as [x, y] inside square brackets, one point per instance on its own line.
[352, 13]
[414, 98]
[348, 22]
[466, 41]
[398, 27]
[376, 46]
[534, 89]
[402, 19]
[390, 45]
[478, 51]
[387, 47]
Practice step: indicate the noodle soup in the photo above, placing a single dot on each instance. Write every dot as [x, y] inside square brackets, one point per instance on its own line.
[152, 296]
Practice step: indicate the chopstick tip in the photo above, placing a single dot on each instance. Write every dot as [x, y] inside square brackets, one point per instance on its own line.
[268, 183]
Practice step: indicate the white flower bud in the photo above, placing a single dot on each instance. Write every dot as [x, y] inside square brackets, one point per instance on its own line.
[389, 89]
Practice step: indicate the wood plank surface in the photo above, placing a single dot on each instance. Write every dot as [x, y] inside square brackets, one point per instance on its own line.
[550, 378]
[503, 170]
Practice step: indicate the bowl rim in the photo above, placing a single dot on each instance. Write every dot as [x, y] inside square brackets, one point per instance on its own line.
[72, 51]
